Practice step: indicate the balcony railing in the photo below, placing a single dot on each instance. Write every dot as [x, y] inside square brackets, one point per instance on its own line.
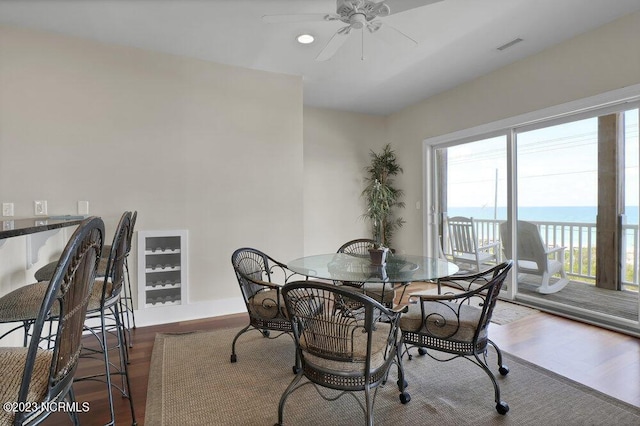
[579, 239]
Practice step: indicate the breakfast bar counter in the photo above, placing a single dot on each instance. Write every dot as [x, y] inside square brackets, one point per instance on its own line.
[26, 226]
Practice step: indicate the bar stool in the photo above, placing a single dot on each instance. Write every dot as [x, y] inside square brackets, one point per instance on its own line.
[126, 300]
[22, 305]
[34, 377]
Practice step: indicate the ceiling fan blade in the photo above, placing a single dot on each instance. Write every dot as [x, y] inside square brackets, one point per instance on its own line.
[391, 34]
[307, 17]
[334, 44]
[398, 6]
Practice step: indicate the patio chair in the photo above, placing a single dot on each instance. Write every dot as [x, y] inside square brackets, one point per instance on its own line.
[261, 278]
[338, 348]
[533, 256]
[464, 245]
[36, 379]
[382, 292]
[456, 325]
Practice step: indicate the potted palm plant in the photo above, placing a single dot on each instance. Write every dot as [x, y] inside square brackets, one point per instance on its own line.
[382, 198]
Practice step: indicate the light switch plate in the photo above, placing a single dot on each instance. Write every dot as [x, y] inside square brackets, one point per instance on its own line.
[40, 207]
[83, 207]
[7, 209]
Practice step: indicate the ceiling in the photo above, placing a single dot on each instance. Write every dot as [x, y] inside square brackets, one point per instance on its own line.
[457, 39]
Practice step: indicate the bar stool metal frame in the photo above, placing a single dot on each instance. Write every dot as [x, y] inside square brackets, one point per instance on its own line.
[105, 306]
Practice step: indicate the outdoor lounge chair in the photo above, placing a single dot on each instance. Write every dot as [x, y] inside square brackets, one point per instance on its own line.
[533, 256]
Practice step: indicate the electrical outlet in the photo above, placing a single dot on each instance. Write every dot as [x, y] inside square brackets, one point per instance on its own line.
[7, 209]
[40, 207]
[83, 207]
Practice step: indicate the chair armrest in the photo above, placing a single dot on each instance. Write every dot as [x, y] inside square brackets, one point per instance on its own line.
[425, 297]
[557, 251]
[400, 309]
[489, 246]
[273, 286]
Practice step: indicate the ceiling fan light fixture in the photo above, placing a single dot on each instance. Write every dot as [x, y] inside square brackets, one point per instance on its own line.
[305, 39]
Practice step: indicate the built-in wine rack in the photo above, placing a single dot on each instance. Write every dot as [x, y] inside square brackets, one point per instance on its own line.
[162, 268]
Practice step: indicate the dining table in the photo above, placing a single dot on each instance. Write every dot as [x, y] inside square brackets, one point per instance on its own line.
[399, 270]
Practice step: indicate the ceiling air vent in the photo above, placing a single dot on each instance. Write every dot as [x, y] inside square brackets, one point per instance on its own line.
[511, 43]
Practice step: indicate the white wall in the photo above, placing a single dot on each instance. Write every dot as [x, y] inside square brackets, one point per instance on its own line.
[189, 144]
[336, 152]
[602, 60]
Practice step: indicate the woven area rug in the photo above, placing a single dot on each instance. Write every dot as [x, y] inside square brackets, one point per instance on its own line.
[192, 382]
[507, 312]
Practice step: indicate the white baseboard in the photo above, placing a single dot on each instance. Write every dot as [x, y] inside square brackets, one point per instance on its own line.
[190, 311]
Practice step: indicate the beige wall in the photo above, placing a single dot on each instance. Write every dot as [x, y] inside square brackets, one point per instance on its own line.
[219, 150]
[602, 60]
[189, 144]
[336, 151]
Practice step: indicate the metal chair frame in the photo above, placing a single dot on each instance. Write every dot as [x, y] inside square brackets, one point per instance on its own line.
[442, 320]
[108, 312]
[126, 300]
[256, 273]
[360, 247]
[328, 337]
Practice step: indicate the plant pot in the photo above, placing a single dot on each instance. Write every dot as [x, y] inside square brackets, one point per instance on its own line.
[378, 256]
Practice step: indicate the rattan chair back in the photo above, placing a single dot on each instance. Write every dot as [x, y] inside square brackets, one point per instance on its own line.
[345, 340]
[358, 247]
[65, 301]
[114, 274]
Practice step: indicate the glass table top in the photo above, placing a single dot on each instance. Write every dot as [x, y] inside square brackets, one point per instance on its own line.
[349, 267]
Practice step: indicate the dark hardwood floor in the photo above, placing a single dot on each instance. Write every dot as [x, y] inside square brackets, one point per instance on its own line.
[602, 359]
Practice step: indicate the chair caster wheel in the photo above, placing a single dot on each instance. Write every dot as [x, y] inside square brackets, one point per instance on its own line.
[502, 408]
[405, 398]
[422, 351]
[504, 370]
[234, 358]
[265, 333]
[295, 369]
[402, 385]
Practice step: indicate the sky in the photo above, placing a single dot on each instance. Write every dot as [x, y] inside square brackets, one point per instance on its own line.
[557, 166]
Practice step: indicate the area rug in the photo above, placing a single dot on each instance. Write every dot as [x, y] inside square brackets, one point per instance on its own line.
[507, 312]
[192, 382]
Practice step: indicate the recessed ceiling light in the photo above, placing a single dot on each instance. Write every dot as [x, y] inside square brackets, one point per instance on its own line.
[305, 39]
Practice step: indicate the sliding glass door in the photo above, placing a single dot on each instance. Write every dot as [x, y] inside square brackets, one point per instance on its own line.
[472, 185]
[560, 197]
[577, 184]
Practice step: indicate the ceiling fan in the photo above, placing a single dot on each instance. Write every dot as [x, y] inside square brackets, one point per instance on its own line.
[358, 15]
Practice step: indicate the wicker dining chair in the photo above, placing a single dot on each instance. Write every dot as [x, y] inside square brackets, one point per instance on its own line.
[339, 348]
[33, 377]
[382, 292]
[456, 323]
[261, 278]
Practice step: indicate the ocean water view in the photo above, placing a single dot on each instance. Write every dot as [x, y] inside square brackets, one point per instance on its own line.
[573, 214]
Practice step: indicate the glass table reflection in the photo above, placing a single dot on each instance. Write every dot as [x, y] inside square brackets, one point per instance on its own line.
[399, 268]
